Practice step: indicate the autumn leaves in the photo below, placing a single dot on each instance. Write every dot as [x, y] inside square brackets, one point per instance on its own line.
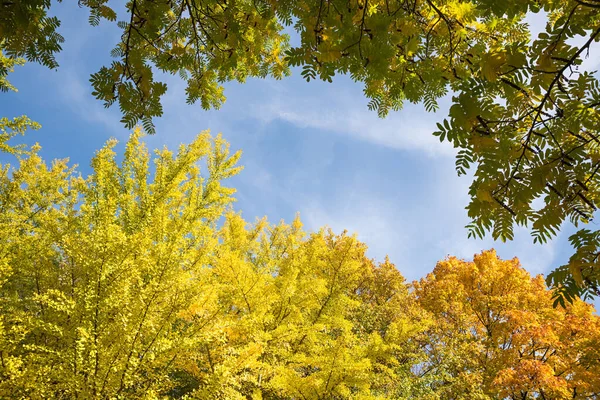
[132, 284]
[138, 284]
[498, 335]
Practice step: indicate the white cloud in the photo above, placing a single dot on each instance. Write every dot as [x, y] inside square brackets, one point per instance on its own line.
[374, 220]
[415, 229]
[340, 108]
[419, 232]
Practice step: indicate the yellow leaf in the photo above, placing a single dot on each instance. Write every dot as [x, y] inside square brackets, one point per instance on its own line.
[484, 195]
[545, 61]
[491, 63]
[575, 266]
[413, 45]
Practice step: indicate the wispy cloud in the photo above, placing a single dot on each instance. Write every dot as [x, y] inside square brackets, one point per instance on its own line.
[372, 219]
[341, 108]
[317, 149]
[419, 232]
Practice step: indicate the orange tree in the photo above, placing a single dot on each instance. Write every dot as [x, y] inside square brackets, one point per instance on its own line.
[497, 334]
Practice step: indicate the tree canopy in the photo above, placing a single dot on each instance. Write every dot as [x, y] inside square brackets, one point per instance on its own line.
[138, 282]
[498, 336]
[524, 113]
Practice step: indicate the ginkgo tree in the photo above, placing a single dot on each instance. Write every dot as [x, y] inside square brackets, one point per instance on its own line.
[124, 284]
[95, 271]
[303, 316]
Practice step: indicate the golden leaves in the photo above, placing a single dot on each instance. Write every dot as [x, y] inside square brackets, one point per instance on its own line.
[505, 331]
[491, 65]
[484, 195]
[130, 274]
[115, 261]
[575, 266]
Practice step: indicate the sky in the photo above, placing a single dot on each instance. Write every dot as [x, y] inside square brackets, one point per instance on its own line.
[309, 148]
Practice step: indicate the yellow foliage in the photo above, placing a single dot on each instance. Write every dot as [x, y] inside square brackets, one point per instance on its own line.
[491, 64]
[125, 285]
[137, 284]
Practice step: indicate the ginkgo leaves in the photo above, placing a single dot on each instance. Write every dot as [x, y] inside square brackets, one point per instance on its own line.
[142, 283]
[102, 267]
[10, 128]
[122, 284]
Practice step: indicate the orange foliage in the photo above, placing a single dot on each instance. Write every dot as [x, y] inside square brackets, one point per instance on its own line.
[498, 335]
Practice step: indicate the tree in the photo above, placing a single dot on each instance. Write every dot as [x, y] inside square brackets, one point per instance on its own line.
[125, 284]
[523, 112]
[497, 335]
[302, 316]
[207, 43]
[96, 271]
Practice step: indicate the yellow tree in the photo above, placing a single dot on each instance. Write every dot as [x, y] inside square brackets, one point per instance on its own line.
[126, 284]
[302, 316]
[100, 268]
[524, 111]
[498, 336]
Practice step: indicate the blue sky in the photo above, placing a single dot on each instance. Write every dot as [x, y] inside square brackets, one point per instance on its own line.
[312, 148]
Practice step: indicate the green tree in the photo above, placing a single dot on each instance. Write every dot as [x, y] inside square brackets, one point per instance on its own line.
[524, 112]
[205, 42]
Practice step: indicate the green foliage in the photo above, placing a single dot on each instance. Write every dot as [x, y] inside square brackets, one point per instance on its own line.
[532, 133]
[7, 65]
[524, 113]
[27, 32]
[207, 43]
